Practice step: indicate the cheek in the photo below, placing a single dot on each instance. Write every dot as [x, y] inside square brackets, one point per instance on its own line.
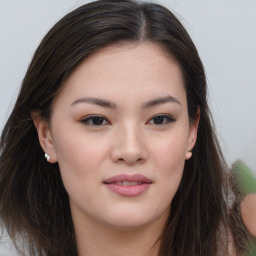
[169, 150]
[169, 159]
[79, 159]
[78, 148]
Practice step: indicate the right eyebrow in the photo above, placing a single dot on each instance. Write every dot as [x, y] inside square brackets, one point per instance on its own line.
[161, 100]
[95, 101]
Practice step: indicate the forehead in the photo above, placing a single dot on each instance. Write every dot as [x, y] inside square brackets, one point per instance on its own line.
[126, 70]
[126, 53]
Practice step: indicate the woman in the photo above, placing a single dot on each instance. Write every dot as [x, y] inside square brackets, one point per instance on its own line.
[110, 148]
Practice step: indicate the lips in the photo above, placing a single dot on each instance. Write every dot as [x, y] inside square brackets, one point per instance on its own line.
[128, 185]
[138, 178]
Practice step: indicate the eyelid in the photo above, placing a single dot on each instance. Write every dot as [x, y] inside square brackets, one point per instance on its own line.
[85, 120]
[169, 118]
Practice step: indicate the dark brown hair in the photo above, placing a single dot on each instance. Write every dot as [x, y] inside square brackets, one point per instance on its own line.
[33, 200]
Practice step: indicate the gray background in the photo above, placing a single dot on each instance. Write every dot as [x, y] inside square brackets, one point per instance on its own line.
[224, 32]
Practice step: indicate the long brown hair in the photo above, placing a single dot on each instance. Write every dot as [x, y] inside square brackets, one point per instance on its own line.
[33, 202]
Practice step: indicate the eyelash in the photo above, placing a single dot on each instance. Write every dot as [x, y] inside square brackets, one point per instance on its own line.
[168, 119]
[89, 120]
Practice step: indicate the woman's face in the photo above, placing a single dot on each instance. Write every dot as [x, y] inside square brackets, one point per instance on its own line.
[120, 133]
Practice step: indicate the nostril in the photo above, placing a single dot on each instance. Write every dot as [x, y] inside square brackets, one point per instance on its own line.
[128, 154]
[131, 160]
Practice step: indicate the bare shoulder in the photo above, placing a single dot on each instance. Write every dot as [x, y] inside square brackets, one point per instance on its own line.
[248, 212]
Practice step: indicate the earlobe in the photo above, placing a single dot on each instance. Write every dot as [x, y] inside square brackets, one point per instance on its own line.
[188, 155]
[45, 137]
[193, 134]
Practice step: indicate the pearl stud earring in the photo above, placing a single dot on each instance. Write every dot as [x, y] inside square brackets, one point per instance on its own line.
[47, 157]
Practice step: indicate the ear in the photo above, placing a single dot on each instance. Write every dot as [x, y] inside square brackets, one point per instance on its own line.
[44, 136]
[193, 134]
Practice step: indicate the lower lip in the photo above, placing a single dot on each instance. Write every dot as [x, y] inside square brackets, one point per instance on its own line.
[128, 190]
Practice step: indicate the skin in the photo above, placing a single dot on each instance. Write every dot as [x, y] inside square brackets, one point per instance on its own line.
[248, 212]
[130, 140]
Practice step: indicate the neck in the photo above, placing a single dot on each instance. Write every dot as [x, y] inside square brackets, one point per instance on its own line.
[94, 239]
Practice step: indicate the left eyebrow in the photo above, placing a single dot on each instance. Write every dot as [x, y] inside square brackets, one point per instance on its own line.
[96, 101]
[161, 100]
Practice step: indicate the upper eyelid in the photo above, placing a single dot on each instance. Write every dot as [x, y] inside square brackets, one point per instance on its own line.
[88, 117]
[93, 115]
[164, 115]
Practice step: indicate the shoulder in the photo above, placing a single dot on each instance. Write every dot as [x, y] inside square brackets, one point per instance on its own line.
[248, 212]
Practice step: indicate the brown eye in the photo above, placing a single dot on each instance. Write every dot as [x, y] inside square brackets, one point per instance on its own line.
[95, 121]
[161, 120]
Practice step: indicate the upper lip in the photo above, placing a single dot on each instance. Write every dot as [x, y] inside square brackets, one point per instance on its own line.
[126, 177]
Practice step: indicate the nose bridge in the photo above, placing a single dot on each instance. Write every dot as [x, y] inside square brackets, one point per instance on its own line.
[131, 132]
[130, 145]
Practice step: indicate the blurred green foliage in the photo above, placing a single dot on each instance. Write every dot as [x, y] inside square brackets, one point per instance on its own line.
[252, 250]
[247, 185]
[246, 179]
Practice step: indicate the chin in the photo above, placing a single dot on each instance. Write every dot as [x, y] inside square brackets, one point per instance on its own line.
[128, 224]
[133, 220]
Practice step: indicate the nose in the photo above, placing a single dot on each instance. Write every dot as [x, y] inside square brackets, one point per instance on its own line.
[129, 146]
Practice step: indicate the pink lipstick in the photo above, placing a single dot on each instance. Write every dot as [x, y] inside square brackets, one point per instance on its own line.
[128, 185]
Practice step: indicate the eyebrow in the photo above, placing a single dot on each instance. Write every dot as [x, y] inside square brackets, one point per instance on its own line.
[96, 101]
[111, 105]
[161, 100]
